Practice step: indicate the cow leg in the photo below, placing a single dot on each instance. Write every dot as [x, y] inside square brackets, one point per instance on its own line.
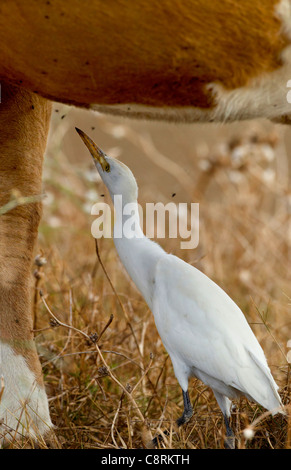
[24, 124]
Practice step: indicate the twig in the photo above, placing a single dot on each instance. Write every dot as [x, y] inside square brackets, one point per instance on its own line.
[107, 368]
[270, 332]
[70, 327]
[20, 201]
[76, 353]
[129, 395]
[2, 387]
[114, 421]
[106, 326]
[288, 440]
[156, 384]
[39, 261]
[144, 374]
[61, 354]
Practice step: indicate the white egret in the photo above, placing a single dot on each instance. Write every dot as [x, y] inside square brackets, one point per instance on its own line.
[204, 331]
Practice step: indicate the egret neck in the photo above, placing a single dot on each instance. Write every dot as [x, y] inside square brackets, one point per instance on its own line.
[133, 247]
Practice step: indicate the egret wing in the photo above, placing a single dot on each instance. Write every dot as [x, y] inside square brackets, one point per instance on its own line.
[203, 329]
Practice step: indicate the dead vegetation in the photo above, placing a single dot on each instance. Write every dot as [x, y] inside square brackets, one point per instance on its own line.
[109, 380]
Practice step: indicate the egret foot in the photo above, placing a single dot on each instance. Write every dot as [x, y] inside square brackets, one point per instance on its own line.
[188, 410]
[229, 441]
[187, 414]
[159, 438]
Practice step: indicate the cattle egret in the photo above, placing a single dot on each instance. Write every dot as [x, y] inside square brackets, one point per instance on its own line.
[204, 331]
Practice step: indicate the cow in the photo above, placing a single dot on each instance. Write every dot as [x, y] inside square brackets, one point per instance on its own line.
[193, 61]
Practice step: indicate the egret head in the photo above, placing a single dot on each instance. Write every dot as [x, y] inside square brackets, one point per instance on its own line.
[117, 177]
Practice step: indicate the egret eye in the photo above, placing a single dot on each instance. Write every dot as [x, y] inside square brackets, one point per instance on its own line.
[107, 167]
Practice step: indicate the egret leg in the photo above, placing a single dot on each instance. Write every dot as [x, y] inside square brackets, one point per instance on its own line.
[225, 406]
[230, 438]
[187, 414]
[188, 410]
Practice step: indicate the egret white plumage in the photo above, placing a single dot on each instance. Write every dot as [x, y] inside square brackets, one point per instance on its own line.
[205, 333]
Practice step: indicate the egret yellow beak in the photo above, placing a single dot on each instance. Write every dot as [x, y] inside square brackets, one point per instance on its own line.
[96, 153]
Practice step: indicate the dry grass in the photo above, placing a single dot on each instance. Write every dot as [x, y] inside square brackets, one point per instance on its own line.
[109, 380]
